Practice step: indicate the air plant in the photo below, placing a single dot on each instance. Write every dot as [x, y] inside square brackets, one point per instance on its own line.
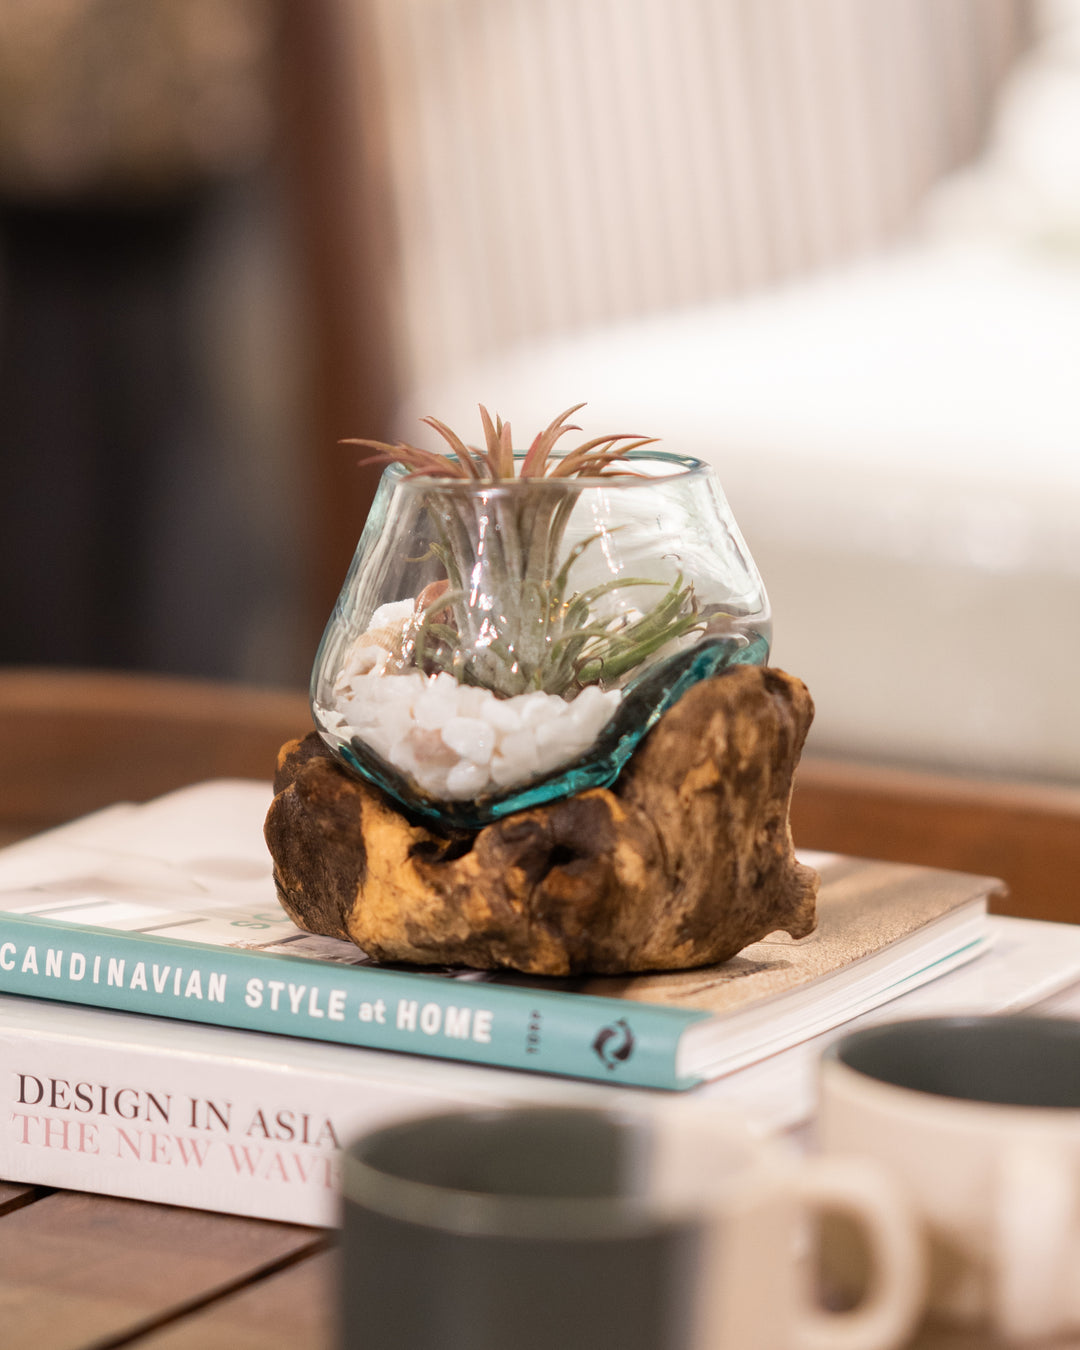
[505, 616]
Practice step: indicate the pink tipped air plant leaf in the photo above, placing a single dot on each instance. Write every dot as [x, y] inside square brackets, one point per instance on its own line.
[495, 463]
[471, 460]
[493, 455]
[592, 459]
[423, 462]
[506, 448]
[535, 463]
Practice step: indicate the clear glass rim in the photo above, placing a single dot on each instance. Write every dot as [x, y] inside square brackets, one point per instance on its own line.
[686, 468]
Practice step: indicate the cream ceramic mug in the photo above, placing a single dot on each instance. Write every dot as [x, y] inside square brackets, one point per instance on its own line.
[978, 1118]
[576, 1229]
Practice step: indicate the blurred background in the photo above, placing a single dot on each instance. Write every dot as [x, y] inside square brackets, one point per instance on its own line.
[831, 245]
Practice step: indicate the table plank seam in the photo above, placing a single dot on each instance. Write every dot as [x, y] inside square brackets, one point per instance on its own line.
[28, 1197]
[132, 1335]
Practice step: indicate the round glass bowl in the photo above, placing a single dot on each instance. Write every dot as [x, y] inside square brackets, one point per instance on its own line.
[498, 645]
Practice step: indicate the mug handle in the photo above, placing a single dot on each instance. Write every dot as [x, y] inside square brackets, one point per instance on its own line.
[1035, 1242]
[886, 1317]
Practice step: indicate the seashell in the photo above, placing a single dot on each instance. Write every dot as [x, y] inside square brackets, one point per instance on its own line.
[428, 596]
[388, 637]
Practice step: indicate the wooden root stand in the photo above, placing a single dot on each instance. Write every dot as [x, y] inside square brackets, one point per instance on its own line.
[687, 859]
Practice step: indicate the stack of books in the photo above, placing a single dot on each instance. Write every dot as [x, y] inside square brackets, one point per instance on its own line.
[168, 1034]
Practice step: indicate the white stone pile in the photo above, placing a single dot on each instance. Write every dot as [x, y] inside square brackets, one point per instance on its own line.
[456, 741]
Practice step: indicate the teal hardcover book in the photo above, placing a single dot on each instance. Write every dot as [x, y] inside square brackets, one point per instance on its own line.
[169, 909]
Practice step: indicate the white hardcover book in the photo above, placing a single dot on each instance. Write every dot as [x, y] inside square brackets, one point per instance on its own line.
[251, 1123]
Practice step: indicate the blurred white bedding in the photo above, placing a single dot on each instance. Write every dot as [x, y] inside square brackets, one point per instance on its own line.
[900, 442]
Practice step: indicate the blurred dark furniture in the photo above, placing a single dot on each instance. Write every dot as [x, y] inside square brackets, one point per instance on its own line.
[74, 741]
[1026, 833]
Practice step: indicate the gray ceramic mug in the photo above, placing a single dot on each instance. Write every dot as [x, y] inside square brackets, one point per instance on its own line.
[571, 1229]
[978, 1118]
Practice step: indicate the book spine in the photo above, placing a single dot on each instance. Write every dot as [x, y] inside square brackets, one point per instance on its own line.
[208, 1132]
[519, 1027]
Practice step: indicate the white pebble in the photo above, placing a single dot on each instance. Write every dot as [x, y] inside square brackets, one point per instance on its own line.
[592, 708]
[553, 754]
[431, 779]
[538, 706]
[428, 747]
[380, 739]
[457, 742]
[550, 733]
[387, 690]
[397, 718]
[504, 772]
[401, 755]
[520, 748]
[357, 710]
[472, 700]
[575, 742]
[330, 718]
[471, 738]
[466, 780]
[434, 710]
[503, 715]
[588, 698]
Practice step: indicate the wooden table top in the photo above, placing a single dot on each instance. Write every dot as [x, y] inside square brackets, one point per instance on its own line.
[80, 1271]
[90, 1272]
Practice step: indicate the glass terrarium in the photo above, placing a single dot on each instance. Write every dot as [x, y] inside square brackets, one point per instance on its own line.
[510, 628]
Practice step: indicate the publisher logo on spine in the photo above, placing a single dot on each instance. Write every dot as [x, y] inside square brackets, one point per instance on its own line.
[614, 1044]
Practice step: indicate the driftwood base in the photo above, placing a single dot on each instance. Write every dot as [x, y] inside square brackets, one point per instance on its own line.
[685, 861]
